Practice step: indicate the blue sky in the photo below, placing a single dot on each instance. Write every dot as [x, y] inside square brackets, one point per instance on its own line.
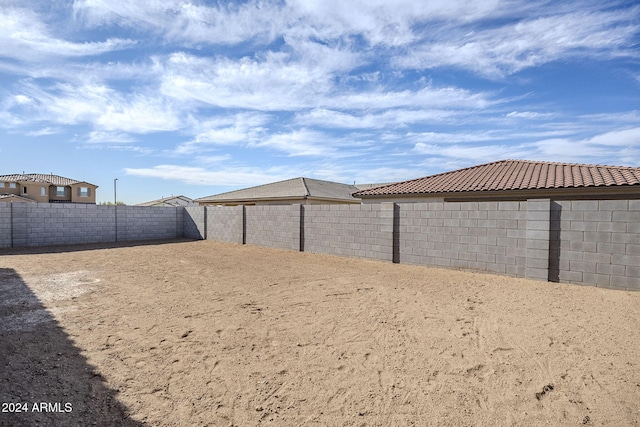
[196, 98]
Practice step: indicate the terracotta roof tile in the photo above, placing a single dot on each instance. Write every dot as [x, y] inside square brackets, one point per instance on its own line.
[513, 175]
[40, 177]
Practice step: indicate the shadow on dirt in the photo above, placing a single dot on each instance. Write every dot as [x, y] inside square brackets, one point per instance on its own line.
[44, 378]
[87, 246]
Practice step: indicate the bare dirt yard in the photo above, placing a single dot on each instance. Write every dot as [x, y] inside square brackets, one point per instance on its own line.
[210, 334]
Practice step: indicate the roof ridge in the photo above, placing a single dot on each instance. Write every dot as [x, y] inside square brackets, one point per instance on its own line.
[253, 187]
[304, 184]
[559, 163]
[49, 174]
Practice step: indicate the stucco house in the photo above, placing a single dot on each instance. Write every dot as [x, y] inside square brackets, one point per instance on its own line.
[514, 180]
[45, 188]
[296, 190]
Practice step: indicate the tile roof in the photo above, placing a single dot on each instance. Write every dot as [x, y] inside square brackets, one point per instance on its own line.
[295, 188]
[362, 187]
[170, 201]
[513, 175]
[39, 177]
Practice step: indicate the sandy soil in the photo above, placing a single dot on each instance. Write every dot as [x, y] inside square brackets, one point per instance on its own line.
[205, 333]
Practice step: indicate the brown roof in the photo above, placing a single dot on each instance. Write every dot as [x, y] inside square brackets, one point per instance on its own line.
[295, 188]
[513, 175]
[40, 177]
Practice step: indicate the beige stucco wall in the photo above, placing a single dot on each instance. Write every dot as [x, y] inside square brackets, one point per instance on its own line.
[75, 198]
[34, 191]
[4, 188]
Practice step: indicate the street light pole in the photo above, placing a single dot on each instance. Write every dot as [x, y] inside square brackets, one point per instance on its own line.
[115, 196]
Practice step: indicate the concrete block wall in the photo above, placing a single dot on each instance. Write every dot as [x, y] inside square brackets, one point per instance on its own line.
[5, 225]
[44, 224]
[273, 225]
[364, 231]
[597, 242]
[487, 236]
[587, 242]
[142, 223]
[194, 222]
[225, 223]
[66, 224]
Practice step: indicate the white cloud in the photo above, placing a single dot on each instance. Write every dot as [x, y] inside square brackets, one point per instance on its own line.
[280, 82]
[529, 115]
[276, 82]
[23, 100]
[142, 114]
[226, 177]
[428, 96]
[301, 142]
[187, 22]
[25, 37]
[621, 145]
[618, 138]
[347, 174]
[425, 138]
[237, 129]
[477, 153]
[379, 22]
[99, 137]
[213, 160]
[44, 132]
[102, 107]
[526, 43]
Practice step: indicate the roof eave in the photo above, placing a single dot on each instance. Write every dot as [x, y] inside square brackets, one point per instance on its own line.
[251, 199]
[618, 191]
[332, 199]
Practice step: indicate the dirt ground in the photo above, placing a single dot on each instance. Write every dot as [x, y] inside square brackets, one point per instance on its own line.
[211, 334]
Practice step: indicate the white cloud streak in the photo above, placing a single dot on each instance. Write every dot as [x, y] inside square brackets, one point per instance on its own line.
[226, 177]
[496, 52]
[25, 37]
[101, 106]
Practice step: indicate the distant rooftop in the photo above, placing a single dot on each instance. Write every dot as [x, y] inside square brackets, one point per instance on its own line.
[40, 177]
[295, 188]
[170, 201]
[15, 197]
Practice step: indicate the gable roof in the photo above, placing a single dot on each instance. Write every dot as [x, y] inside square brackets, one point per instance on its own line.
[513, 175]
[170, 201]
[295, 188]
[42, 178]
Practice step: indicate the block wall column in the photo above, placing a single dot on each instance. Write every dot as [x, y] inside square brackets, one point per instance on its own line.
[296, 229]
[385, 239]
[19, 225]
[538, 234]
